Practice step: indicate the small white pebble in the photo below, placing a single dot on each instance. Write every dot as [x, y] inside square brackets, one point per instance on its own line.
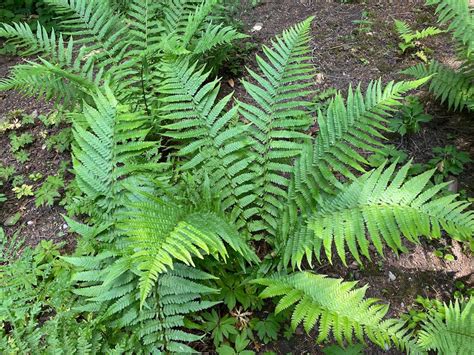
[65, 226]
[257, 27]
[30, 223]
[391, 276]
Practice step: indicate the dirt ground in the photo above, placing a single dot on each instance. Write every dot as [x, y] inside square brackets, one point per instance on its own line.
[343, 53]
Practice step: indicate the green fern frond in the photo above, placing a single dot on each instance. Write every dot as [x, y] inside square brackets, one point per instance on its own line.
[450, 86]
[451, 334]
[207, 137]
[145, 28]
[460, 16]
[161, 233]
[278, 119]
[114, 297]
[50, 81]
[108, 140]
[408, 35]
[385, 206]
[346, 128]
[336, 307]
[28, 43]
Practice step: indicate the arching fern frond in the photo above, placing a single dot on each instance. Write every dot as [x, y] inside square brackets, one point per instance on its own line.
[451, 334]
[47, 80]
[347, 127]
[278, 119]
[333, 306]
[94, 24]
[29, 43]
[162, 232]
[385, 206]
[453, 87]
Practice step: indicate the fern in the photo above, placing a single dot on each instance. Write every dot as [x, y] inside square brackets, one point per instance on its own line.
[278, 120]
[344, 129]
[115, 298]
[108, 143]
[451, 334]
[205, 134]
[125, 45]
[409, 36]
[387, 206]
[454, 86]
[336, 306]
[448, 85]
[160, 233]
[459, 15]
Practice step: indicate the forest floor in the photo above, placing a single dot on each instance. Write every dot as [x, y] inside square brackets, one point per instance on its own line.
[345, 51]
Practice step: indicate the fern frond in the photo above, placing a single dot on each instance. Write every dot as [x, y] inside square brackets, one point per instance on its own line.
[451, 334]
[94, 24]
[206, 135]
[114, 297]
[408, 35]
[450, 86]
[336, 306]
[47, 80]
[108, 140]
[385, 206]
[29, 43]
[346, 128]
[161, 233]
[459, 15]
[278, 119]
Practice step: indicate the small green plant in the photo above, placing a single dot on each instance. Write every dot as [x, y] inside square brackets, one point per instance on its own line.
[20, 141]
[444, 253]
[49, 191]
[410, 39]
[6, 172]
[364, 25]
[420, 312]
[61, 141]
[410, 117]
[240, 345]
[220, 328]
[21, 156]
[448, 160]
[35, 177]
[23, 191]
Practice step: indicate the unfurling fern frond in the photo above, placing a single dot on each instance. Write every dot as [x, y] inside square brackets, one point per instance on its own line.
[452, 333]
[385, 206]
[278, 120]
[336, 307]
[459, 15]
[448, 85]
